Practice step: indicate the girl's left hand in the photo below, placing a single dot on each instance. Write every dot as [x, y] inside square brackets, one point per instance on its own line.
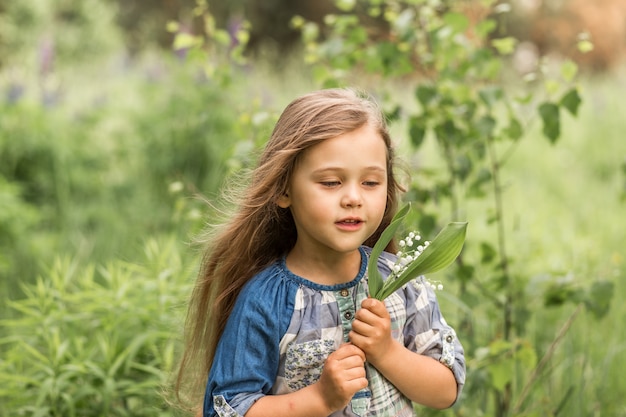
[371, 330]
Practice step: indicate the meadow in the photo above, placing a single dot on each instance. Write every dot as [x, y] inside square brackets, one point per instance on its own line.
[103, 194]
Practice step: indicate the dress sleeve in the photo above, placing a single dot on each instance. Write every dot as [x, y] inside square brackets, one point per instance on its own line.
[246, 360]
[427, 332]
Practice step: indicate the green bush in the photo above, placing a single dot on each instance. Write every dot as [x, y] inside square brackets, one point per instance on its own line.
[79, 178]
[17, 221]
[66, 31]
[96, 340]
[188, 133]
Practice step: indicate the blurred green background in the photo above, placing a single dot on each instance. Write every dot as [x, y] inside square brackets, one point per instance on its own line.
[120, 121]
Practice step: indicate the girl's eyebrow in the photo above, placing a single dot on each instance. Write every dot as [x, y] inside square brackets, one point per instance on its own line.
[325, 170]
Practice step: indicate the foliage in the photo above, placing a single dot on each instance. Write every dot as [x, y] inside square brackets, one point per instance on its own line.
[97, 159]
[213, 46]
[69, 176]
[85, 179]
[95, 340]
[476, 116]
[66, 31]
[196, 142]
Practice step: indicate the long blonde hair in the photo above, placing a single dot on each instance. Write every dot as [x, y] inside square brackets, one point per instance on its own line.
[260, 232]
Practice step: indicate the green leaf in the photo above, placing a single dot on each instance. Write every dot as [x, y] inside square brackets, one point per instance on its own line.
[485, 126]
[488, 253]
[417, 130]
[441, 252]
[585, 46]
[375, 280]
[482, 179]
[297, 22]
[345, 5]
[447, 131]
[222, 37]
[394, 114]
[569, 69]
[172, 26]
[505, 46]
[549, 113]
[571, 101]
[462, 166]
[526, 355]
[552, 86]
[458, 22]
[514, 130]
[491, 95]
[560, 293]
[599, 298]
[485, 27]
[425, 94]
[185, 40]
[501, 373]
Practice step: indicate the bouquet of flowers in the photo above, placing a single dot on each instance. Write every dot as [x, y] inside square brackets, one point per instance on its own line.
[412, 262]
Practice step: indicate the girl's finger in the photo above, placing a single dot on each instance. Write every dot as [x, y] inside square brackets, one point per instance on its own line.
[375, 306]
[347, 350]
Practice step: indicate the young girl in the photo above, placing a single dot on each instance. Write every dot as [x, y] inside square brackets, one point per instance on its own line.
[280, 317]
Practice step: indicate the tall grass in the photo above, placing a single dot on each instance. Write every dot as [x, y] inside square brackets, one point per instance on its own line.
[567, 214]
[565, 222]
[96, 340]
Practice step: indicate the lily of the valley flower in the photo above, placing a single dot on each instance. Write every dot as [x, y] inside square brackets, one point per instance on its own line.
[413, 261]
[411, 248]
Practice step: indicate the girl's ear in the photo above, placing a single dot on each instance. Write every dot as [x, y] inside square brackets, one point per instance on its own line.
[284, 201]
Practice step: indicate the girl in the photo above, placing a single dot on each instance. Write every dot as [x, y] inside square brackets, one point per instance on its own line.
[280, 318]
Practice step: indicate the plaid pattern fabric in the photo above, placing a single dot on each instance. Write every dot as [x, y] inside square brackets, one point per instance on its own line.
[319, 320]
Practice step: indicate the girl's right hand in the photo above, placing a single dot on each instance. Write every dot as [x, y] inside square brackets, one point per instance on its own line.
[343, 375]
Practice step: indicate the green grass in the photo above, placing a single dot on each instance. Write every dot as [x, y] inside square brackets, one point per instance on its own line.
[565, 200]
[565, 221]
[567, 211]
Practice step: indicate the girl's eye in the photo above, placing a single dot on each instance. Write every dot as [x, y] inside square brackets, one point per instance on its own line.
[330, 184]
[371, 183]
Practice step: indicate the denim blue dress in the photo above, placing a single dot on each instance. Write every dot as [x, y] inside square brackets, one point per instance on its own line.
[283, 327]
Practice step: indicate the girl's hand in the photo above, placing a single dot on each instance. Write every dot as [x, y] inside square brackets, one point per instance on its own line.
[343, 375]
[371, 330]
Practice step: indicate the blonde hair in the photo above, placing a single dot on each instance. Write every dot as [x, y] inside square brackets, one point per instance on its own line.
[260, 232]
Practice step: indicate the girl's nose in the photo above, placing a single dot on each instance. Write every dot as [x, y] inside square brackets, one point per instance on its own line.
[352, 196]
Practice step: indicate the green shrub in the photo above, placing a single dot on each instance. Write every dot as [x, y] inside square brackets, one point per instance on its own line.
[96, 340]
[76, 30]
[188, 133]
[96, 172]
[17, 222]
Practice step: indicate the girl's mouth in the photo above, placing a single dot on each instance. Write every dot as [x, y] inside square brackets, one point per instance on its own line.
[349, 224]
[350, 221]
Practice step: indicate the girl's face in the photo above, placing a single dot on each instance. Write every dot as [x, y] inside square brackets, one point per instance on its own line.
[338, 193]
